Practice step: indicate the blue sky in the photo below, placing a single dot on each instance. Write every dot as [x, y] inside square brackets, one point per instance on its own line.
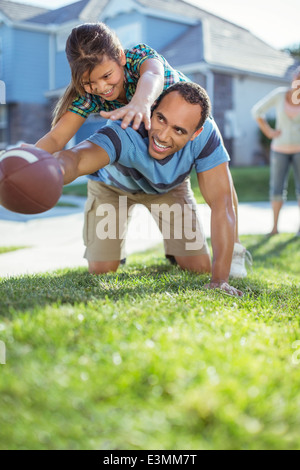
[274, 21]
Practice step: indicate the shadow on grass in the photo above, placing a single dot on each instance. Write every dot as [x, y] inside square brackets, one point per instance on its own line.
[274, 249]
[135, 281]
[78, 286]
[280, 250]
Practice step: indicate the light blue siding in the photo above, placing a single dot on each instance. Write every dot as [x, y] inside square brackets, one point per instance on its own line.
[29, 78]
[62, 70]
[6, 62]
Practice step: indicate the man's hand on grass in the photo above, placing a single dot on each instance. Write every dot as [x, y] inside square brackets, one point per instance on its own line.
[224, 286]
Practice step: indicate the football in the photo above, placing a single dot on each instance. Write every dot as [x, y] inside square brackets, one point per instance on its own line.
[31, 180]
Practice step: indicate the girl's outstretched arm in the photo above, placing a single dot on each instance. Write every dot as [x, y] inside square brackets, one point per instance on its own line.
[61, 133]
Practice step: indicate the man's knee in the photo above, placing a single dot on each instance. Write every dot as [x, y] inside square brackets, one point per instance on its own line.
[197, 263]
[103, 267]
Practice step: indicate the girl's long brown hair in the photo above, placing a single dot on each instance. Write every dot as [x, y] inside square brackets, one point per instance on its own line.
[85, 48]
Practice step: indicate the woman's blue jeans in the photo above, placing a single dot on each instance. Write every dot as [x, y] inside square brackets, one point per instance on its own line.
[280, 164]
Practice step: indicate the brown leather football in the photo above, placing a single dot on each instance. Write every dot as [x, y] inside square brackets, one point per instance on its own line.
[31, 180]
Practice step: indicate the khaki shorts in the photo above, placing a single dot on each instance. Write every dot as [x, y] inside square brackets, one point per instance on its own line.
[108, 212]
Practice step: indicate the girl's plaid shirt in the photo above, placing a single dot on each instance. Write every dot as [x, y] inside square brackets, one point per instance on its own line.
[88, 103]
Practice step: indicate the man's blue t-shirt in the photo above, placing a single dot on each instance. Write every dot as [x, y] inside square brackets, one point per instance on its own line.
[132, 169]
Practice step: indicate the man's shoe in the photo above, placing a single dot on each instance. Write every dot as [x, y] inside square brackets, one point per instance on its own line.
[171, 259]
[239, 259]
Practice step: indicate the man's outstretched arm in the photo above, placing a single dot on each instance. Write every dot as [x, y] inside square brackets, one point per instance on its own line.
[215, 186]
[83, 159]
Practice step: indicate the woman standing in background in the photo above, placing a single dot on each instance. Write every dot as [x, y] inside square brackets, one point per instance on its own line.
[285, 145]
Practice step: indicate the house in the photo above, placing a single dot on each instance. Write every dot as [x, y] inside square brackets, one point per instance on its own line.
[233, 65]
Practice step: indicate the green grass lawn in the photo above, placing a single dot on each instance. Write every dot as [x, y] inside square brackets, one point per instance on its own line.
[146, 358]
[75, 190]
[251, 184]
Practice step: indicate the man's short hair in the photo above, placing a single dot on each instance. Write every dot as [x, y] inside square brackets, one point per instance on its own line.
[193, 94]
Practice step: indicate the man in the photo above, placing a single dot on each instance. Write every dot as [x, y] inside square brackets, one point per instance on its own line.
[153, 169]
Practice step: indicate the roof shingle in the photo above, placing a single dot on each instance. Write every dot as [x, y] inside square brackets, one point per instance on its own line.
[60, 15]
[219, 42]
[15, 11]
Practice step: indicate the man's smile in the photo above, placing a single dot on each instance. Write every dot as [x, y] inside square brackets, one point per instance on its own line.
[160, 148]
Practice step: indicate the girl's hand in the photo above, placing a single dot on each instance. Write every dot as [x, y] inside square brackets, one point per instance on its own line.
[136, 113]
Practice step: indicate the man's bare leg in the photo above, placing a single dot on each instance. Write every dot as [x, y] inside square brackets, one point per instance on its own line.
[198, 263]
[103, 267]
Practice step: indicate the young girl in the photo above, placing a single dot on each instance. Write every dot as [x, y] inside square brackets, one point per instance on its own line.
[117, 83]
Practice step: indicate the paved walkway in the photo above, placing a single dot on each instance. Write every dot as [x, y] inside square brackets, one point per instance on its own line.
[54, 239]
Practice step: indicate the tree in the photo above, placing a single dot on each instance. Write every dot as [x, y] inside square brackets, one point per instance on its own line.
[294, 50]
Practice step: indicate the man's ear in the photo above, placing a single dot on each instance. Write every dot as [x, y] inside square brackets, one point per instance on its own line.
[197, 133]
